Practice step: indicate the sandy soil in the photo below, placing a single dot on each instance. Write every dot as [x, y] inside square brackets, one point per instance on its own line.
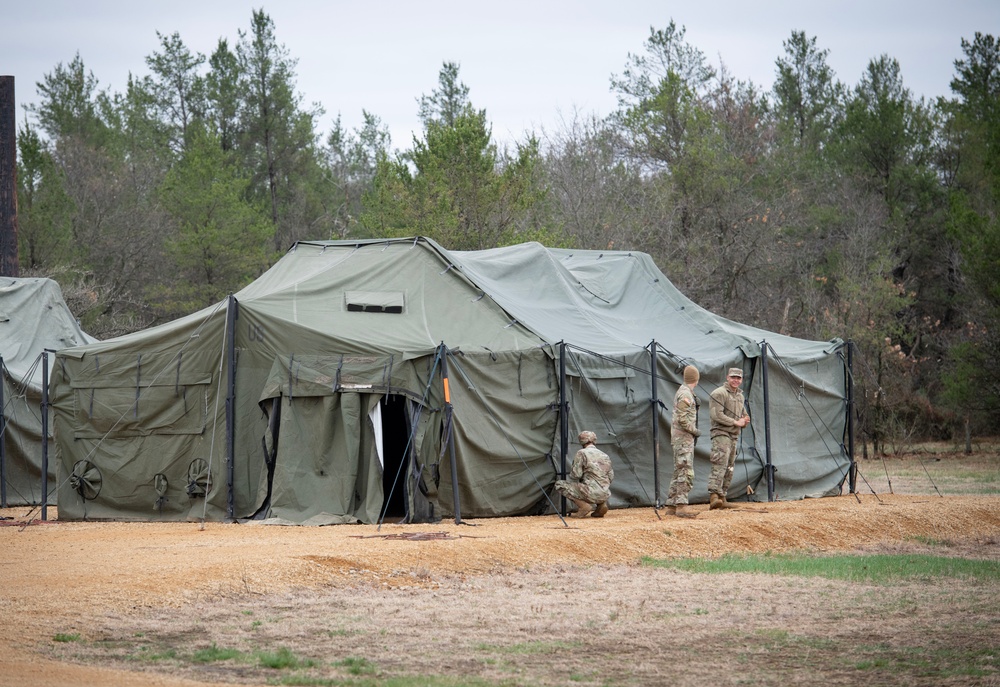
[69, 578]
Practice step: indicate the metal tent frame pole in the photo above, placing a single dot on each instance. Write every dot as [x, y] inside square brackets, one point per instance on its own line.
[3, 439]
[768, 466]
[654, 406]
[45, 435]
[853, 472]
[563, 423]
[232, 313]
[449, 414]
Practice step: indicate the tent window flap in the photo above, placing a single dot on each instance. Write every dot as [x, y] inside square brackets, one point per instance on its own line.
[374, 301]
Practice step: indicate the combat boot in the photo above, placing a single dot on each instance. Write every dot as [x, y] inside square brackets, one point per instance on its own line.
[727, 504]
[671, 509]
[715, 501]
[685, 512]
[582, 508]
[601, 510]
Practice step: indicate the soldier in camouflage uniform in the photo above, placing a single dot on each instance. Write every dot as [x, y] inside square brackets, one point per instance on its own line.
[728, 418]
[590, 479]
[684, 434]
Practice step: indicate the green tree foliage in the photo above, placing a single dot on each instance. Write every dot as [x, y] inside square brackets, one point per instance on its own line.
[448, 102]
[276, 138]
[886, 135]
[970, 385]
[221, 240]
[222, 85]
[454, 185]
[68, 108]
[806, 95]
[660, 96]
[976, 197]
[669, 135]
[44, 238]
[178, 89]
[351, 163]
[702, 141]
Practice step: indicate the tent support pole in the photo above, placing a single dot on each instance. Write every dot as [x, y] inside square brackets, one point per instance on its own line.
[231, 316]
[3, 440]
[45, 435]
[853, 474]
[768, 466]
[563, 422]
[449, 414]
[654, 404]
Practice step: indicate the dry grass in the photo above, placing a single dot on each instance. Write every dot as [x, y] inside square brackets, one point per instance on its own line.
[514, 601]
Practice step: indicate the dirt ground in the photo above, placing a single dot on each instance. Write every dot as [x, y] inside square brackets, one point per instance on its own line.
[105, 585]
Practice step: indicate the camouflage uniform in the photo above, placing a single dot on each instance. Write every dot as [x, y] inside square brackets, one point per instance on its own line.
[590, 478]
[726, 408]
[683, 435]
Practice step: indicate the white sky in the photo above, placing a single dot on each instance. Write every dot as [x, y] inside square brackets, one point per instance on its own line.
[530, 64]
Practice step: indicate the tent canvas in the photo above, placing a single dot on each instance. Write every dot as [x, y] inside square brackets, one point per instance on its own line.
[33, 318]
[317, 394]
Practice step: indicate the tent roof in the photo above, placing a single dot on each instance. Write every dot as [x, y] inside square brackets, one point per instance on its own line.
[516, 297]
[34, 317]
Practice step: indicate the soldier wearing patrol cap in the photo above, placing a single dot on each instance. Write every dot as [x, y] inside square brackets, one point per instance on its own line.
[589, 483]
[728, 417]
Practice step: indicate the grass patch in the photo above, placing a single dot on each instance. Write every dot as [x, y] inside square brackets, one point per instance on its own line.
[939, 664]
[282, 659]
[356, 666]
[215, 653]
[399, 681]
[147, 654]
[64, 637]
[877, 568]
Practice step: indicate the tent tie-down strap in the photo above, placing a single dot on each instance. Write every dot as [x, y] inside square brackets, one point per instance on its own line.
[138, 385]
[177, 379]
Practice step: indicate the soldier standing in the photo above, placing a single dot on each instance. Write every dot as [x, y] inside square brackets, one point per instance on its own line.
[728, 418]
[589, 485]
[684, 435]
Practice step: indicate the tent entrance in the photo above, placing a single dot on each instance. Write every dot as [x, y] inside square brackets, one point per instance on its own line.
[396, 449]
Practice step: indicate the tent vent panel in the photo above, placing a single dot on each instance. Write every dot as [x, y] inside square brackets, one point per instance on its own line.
[374, 301]
[86, 479]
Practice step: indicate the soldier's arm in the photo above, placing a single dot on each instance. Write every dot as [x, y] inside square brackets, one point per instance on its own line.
[717, 412]
[686, 417]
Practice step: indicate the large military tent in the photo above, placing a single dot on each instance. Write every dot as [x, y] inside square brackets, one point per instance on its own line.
[34, 319]
[356, 381]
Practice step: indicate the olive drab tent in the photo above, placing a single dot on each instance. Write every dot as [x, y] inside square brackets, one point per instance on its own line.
[34, 319]
[358, 381]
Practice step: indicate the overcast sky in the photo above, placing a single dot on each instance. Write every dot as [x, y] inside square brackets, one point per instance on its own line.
[528, 63]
